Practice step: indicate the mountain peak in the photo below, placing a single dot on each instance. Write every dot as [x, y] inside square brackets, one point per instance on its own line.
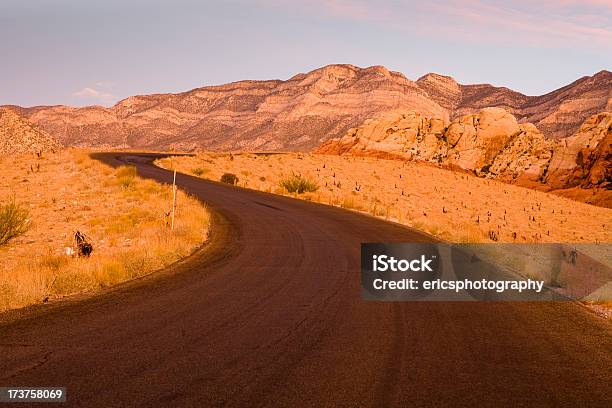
[433, 76]
[604, 73]
[442, 88]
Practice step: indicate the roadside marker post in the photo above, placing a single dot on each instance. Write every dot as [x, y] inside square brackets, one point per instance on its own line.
[173, 197]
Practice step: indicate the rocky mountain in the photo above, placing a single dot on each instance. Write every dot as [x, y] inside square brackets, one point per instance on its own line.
[557, 114]
[305, 110]
[491, 144]
[296, 114]
[18, 135]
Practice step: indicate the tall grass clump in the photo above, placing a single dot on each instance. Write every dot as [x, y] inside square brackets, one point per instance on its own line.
[14, 221]
[126, 175]
[298, 184]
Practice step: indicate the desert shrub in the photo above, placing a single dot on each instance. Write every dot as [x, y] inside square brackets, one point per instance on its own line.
[298, 184]
[126, 175]
[198, 171]
[229, 178]
[13, 221]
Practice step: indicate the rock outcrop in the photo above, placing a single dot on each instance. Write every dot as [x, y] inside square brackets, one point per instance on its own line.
[407, 135]
[490, 144]
[18, 135]
[473, 141]
[525, 159]
[584, 159]
[307, 109]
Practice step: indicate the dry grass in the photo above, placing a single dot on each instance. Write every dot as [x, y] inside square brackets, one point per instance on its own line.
[125, 217]
[453, 206]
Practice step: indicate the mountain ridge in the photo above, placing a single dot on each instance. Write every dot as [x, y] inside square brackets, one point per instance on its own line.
[301, 112]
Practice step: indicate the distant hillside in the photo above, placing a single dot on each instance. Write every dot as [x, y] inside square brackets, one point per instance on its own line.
[17, 135]
[307, 109]
[557, 114]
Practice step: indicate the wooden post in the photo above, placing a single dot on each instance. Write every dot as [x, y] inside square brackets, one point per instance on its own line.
[173, 197]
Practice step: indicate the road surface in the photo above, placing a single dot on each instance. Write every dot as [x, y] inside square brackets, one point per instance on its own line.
[270, 314]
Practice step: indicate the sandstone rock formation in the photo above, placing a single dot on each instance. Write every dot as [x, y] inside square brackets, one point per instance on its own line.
[407, 135]
[18, 135]
[525, 159]
[584, 159]
[490, 144]
[473, 141]
[307, 109]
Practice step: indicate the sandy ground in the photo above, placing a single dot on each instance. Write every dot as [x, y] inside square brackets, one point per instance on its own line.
[127, 225]
[453, 206]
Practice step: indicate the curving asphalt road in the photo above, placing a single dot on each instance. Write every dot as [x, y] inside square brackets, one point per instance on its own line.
[270, 314]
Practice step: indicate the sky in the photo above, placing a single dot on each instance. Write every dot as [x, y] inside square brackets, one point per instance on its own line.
[79, 52]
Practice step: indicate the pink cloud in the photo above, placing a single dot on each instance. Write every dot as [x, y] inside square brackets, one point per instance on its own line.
[556, 23]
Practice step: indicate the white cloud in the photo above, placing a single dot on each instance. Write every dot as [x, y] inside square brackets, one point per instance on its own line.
[102, 96]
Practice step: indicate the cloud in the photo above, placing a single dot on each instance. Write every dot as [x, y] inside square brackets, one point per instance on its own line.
[96, 94]
[550, 23]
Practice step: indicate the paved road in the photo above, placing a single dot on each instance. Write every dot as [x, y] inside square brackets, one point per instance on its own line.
[270, 315]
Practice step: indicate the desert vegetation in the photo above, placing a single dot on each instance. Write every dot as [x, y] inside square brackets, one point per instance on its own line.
[229, 178]
[198, 171]
[453, 206]
[295, 183]
[45, 200]
[14, 221]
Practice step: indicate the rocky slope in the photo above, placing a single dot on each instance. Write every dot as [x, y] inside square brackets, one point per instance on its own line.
[18, 135]
[491, 144]
[303, 111]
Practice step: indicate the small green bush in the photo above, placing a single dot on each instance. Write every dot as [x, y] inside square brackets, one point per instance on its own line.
[229, 178]
[126, 175]
[13, 221]
[298, 184]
